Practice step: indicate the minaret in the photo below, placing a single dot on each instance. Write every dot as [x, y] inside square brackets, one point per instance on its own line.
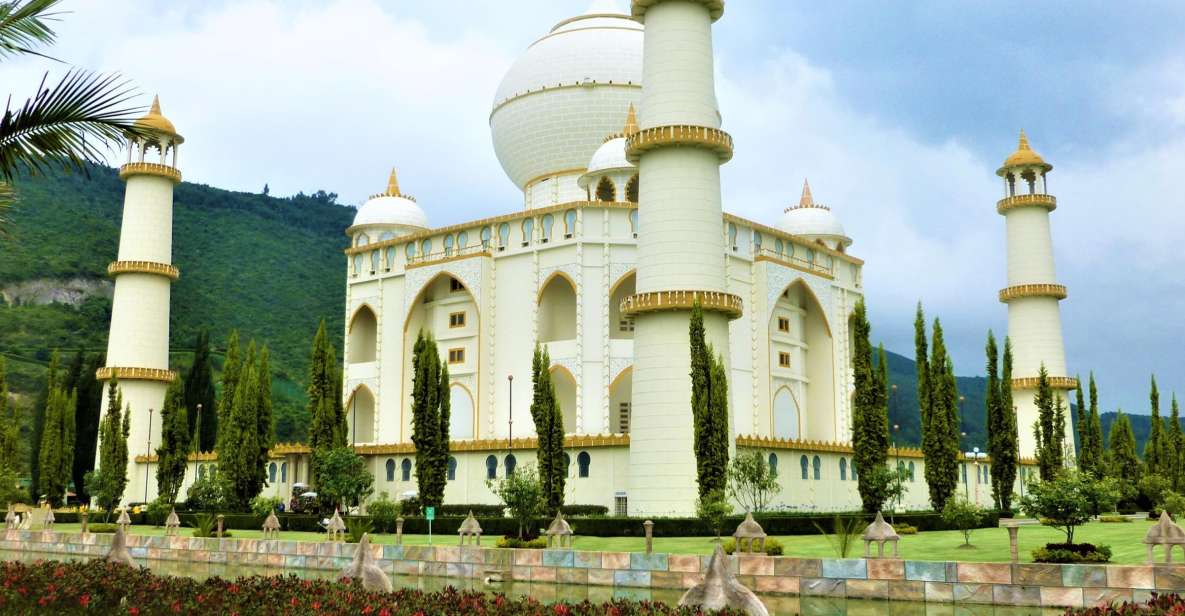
[138, 345]
[678, 148]
[1032, 294]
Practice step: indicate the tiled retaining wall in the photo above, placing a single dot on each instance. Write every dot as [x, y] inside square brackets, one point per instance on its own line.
[905, 580]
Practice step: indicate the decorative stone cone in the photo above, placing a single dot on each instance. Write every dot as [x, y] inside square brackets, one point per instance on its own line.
[880, 530]
[173, 521]
[559, 526]
[364, 568]
[720, 590]
[470, 526]
[336, 524]
[272, 523]
[119, 549]
[124, 518]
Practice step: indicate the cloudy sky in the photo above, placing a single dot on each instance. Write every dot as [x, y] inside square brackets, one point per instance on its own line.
[899, 113]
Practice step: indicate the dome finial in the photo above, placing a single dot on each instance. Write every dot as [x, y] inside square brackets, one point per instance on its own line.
[393, 184]
[806, 200]
[155, 105]
[631, 122]
[1024, 141]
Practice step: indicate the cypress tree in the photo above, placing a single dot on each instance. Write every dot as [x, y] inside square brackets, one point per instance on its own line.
[1083, 429]
[10, 426]
[1006, 458]
[57, 444]
[1000, 445]
[108, 482]
[326, 412]
[430, 408]
[239, 437]
[1125, 463]
[86, 417]
[922, 363]
[1050, 428]
[173, 453]
[231, 369]
[199, 390]
[549, 426]
[39, 411]
[709, 409]
[1154, 446]
[265, 422]
[1175, 442]
[1095, 427]
[942, 434]
[870, 415]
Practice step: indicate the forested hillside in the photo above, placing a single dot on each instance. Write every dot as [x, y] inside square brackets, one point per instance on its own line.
[267, 266]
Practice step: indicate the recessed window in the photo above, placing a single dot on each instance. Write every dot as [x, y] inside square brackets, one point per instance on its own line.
[583, 461]
[606, 191]
[456, 356]
[455, 285]
[626, 325]
[456, 319]
[784, 324]
[784, 360]
[528, 231]
[486, 234]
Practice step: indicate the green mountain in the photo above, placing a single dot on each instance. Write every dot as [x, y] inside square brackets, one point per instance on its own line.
[269, 267]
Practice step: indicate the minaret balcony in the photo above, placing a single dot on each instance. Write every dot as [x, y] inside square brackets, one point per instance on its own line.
[1048, 202]
[658, 301]
[1056, 382]
[156, 169]
[144, 267]
[705, 137]
[135, 374]
[1055, 291]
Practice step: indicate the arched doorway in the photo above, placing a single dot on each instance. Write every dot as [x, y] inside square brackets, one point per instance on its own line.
[786, 421]
[460, 413]
[565, 393]
[360, 416]
[557, 310]
[363, 336]
[446, 309]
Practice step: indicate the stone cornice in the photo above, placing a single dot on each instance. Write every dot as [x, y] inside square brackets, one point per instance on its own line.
[1055, 291]
[135, 374]
[715, 7]
[657, 301]
[1048, 202]
[156, 169]
[143, 267]
[1056, 382]
[705, 137]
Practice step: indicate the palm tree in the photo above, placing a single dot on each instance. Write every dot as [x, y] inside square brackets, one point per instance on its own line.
[65, 125]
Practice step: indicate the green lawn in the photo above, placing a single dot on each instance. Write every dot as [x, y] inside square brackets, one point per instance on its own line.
[990, 544]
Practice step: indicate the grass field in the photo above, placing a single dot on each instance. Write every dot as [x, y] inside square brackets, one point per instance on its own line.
[990, 544]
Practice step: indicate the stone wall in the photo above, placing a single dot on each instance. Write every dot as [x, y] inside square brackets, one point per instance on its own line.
[904, 580]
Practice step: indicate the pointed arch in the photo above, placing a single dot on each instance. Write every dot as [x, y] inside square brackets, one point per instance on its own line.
[801, 357]
[631, 189]
[621, 392]
[360, 415]
[565, 393]
[462, 413]
[787, 418]
[621, 326]
[557, 308]
[606, 191]
[363, 336]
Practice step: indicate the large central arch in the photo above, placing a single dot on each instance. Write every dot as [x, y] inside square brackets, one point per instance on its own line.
[802, 367]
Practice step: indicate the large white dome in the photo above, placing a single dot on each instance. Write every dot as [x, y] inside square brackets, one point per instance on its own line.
[565, 94]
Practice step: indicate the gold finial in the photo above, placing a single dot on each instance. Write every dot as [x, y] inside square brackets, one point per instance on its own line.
[393, 184]
[1024, 141]
[631, 122]
[806, 200]
[1023, 156]
[155, 105]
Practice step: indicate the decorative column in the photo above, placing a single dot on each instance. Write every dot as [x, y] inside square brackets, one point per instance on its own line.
[1032, 294]
[678, 149]
[138, 344]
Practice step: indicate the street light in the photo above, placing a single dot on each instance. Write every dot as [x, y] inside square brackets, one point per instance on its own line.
[510, 409]
[897, 462]
[148, 456]
[195, 444]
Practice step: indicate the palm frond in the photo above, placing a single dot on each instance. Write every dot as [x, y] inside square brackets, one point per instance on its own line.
[23, 26]
[7, 200]
[67, 125]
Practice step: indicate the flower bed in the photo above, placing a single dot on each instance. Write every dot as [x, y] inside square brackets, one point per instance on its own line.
[1158, 604]
[105, 588]
[1072, 553]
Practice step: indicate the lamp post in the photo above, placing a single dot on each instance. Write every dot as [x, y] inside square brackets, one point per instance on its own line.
[195, 444]
[975, 455]
[896, 462]
[354, 422]
[148, 456]
[510, 413]
[963, 464]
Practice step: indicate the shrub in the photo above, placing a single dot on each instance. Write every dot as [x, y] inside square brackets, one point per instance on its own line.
[773, 547]
[1115, 519]
[963, 515]
[206, 525]
[845, 536]
[156, 511]
[537, 543]
[101, 528]
[356, 527]
[1172, 502]
[522, 493]
[1072, 553]
[584, 510]
[905, 529]
[207, 494]
[262, 505]
[1067, 501]
[712, 509]
[384, 512]
[1158, 604]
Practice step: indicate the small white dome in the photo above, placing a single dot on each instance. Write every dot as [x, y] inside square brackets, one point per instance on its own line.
[814, 221]
[387, 210]
[609, 157]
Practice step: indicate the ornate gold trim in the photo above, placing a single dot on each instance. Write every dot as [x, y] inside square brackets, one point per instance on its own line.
[1056, 382]
[656, 301]
[778, 233]
[1055, 291]
[201, 456]
[143, 267]
[156, 169]
[715, 7]
[678, 135]
[135, 374]
[1048, 202]
[814, 268]
[443, 259]
[767, 442]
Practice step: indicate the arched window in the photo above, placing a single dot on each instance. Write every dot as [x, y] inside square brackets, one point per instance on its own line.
[569, 224]
[425, 248]
[491, 467]
[362, 337]
[390, 257]
[567, 463]
[773, 465]
[390, 469]
[778, 245]
[732, 235]
[843, 469]
[818, 466]
[405, 470]
[606, 191]
[785, 415]
[362, 239]
[511, 463]
[462, 239]
[387, 235]
[448, 245]
[548, 223]
[357, 264]
[557, 310]
[756, 241]
[452, 468]
[634, 222]
[583, 461]
[911, 469]
[964, 465]
[460, 413]
[410, 250]
[805, 464]
[631, 189]
[284, 472]
[486, 234]
[528, 228]
[374, 261]
[503, 235]
[901, 469]
[271, 472]
[855, 472]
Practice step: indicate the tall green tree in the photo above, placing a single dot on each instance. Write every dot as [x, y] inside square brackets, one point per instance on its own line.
[940, 441]
[430, 419]
[231, 374]
[549, 426]
[1092, 456]
[1175, 443]
[709, 409]
[10, 426]
[1001, 427]
[57, 445]
[200, 394]
[327, 427]
[1050, 428]
[870, 412]
[81, 379]
[265, 421]
[1082, 428]
[1154, 447]
[922, 364]
[173, 453]
[1121, 453]
[107, 483]
[240, 439]
[39, 415]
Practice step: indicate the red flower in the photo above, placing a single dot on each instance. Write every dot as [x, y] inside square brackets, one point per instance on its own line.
[368, 610]
[384, 612]
[85, 600]
[134, 611]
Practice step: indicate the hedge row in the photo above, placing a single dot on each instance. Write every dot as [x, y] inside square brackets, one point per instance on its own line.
[411, 508]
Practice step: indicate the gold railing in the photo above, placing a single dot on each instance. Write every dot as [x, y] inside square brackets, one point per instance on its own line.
[1048, 202]
[657, 301]
[1055, 291]
[1056, 382]
[712, 139]
[156, 169]
[135, 374]
[143, 267]
[804, 265]
[444, 256]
